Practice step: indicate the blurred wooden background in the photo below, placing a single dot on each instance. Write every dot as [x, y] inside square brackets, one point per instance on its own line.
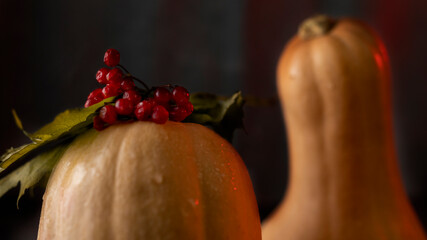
[52, 49]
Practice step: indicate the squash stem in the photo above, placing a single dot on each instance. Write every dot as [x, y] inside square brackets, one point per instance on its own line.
[315, 26]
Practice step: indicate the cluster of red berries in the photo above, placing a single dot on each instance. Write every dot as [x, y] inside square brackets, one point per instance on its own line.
[157, 104]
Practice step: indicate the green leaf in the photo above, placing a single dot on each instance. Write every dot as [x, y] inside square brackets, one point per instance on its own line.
[224, 115]
[66, 125]
[17, 120]
[19, 124]
[69, 121]
[33, 171]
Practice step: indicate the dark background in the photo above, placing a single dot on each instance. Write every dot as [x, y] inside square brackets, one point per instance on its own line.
[50, 51]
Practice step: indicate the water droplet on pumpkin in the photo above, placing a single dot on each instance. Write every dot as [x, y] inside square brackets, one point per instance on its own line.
[158, 178]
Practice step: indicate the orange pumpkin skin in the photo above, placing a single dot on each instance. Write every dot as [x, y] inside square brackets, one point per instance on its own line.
[334, 84]
[150, 181]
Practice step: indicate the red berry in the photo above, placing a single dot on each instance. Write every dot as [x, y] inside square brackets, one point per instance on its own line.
[108, 114]
[111, 57]
[91, 101]
[114, 75]
[95, 96]
[180, 95]
[132, 96]
[162, 96]
[111, 90]
[101, 75]
[98, 124]
[144, 109]
[188, 107]
[124, 106]
[97, 93]
[127, 84]
[160, 114]
[178, 114]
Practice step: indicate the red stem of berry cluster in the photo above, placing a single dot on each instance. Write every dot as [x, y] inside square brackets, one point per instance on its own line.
[140, 81]
[121, 66]
[133, 77]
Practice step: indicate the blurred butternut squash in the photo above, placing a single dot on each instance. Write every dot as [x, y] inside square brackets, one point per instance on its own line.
[334, 82]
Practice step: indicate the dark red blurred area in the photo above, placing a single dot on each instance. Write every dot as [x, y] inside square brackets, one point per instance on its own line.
[51, 51]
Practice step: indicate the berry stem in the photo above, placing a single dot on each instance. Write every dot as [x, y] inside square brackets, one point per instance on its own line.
[121, 66]
[167, 86]
[124, 69]
[145, 85]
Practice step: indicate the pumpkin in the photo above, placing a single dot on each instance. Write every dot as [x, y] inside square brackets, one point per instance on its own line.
[150, 181]
[333, 80]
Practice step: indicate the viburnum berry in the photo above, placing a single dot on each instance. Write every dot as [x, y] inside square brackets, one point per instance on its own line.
[94, 97]
[178, 114]
[108, 114]
[111, 90]
[98, 124]
[91, 101]
[160, 114]
[127, 84]
[97, 93]
[101, 75]
[124, 106]
[180, 95]
[114, 75]
[111, 57]
[132, 96]
[162, 96]
[188, 107]
[166, 102]
[144, 109]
